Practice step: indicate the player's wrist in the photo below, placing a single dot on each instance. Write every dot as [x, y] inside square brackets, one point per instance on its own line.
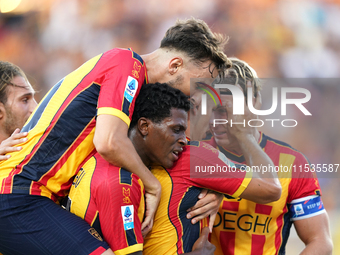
[245, 137]
[152, 185]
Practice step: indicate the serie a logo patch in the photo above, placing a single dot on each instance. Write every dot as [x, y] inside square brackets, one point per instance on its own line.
[130, 88]
[127, 216]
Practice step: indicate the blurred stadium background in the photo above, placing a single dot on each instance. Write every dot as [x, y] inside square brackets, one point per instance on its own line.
[279, 38]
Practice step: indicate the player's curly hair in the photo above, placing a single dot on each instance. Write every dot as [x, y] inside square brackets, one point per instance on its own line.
[155, 101]
[194, 37]
[7, 72]
[240, 73]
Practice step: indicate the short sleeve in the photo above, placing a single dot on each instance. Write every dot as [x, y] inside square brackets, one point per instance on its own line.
[121, 84]
[304, 180]
[304, 199]
[211, 169]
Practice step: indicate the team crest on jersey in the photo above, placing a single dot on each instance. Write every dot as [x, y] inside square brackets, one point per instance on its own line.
[78, 177]
[209, 147]
[126, 194]
[136, 70]
[127, 216]
[130, 88]
[95, 234]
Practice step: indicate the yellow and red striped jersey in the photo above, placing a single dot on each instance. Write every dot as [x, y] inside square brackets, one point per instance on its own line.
[172, 232]
[111, 200]
[245, 227]
[61, 128]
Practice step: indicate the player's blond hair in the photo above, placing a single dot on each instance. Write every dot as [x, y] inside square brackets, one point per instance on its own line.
[241, 73]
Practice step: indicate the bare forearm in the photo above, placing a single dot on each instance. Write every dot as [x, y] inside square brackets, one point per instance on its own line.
[254, 155]
[264, 186]
[315, 234]
[318, 247]
[126, 156]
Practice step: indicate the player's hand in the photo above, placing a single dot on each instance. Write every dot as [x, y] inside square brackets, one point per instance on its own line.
[7, 145]
[152, 197]
[202, 245]
[207, 205]
[241, 129]
[257, 101]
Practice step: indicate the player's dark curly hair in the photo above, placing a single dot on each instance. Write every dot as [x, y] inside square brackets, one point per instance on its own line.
[155, 101]
[7, 72]
[194, 37]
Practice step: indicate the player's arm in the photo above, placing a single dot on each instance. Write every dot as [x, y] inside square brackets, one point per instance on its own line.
[307, 211]
[314, 232]
[226, 177]
[113, 144]
[118, 93]
[264, 186]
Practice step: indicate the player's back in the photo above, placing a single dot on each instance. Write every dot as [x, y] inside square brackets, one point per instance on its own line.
[61, 132]
[111, 200]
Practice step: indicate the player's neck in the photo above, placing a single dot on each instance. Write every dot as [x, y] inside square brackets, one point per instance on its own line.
[153, 63]
[3, 135]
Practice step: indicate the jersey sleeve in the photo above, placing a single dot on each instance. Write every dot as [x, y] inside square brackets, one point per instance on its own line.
[120, 205]
[121, 84]
[211, 169]
[304, 191]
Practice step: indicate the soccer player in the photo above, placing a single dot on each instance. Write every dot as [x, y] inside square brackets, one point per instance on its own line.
[173, 233]
[16, 105]
[90, 109]
[110, 198]
[245, 227]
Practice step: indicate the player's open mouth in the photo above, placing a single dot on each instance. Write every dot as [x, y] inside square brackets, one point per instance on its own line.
[220, 134]
[176, 153]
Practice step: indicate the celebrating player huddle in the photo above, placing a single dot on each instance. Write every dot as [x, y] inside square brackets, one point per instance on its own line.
[109, 143]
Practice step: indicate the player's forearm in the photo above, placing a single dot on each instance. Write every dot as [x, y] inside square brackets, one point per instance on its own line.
[318, 247]
[254, 155]
[112, 143]
[121, 152]
[264, 186]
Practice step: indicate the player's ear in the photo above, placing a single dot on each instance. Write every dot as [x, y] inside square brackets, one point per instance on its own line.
[175, 64]
[143, 126]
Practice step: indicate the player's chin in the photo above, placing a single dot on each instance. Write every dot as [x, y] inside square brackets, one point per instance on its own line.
[222, 139]
[168, 163]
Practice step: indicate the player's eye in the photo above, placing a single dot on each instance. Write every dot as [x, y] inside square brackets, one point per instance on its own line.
[177, 130]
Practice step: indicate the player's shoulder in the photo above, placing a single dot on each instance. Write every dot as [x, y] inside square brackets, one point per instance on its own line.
[125, 54]
[201, 149]
[274, 145]
[126, 177]
[202, 145]
[210, 140]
